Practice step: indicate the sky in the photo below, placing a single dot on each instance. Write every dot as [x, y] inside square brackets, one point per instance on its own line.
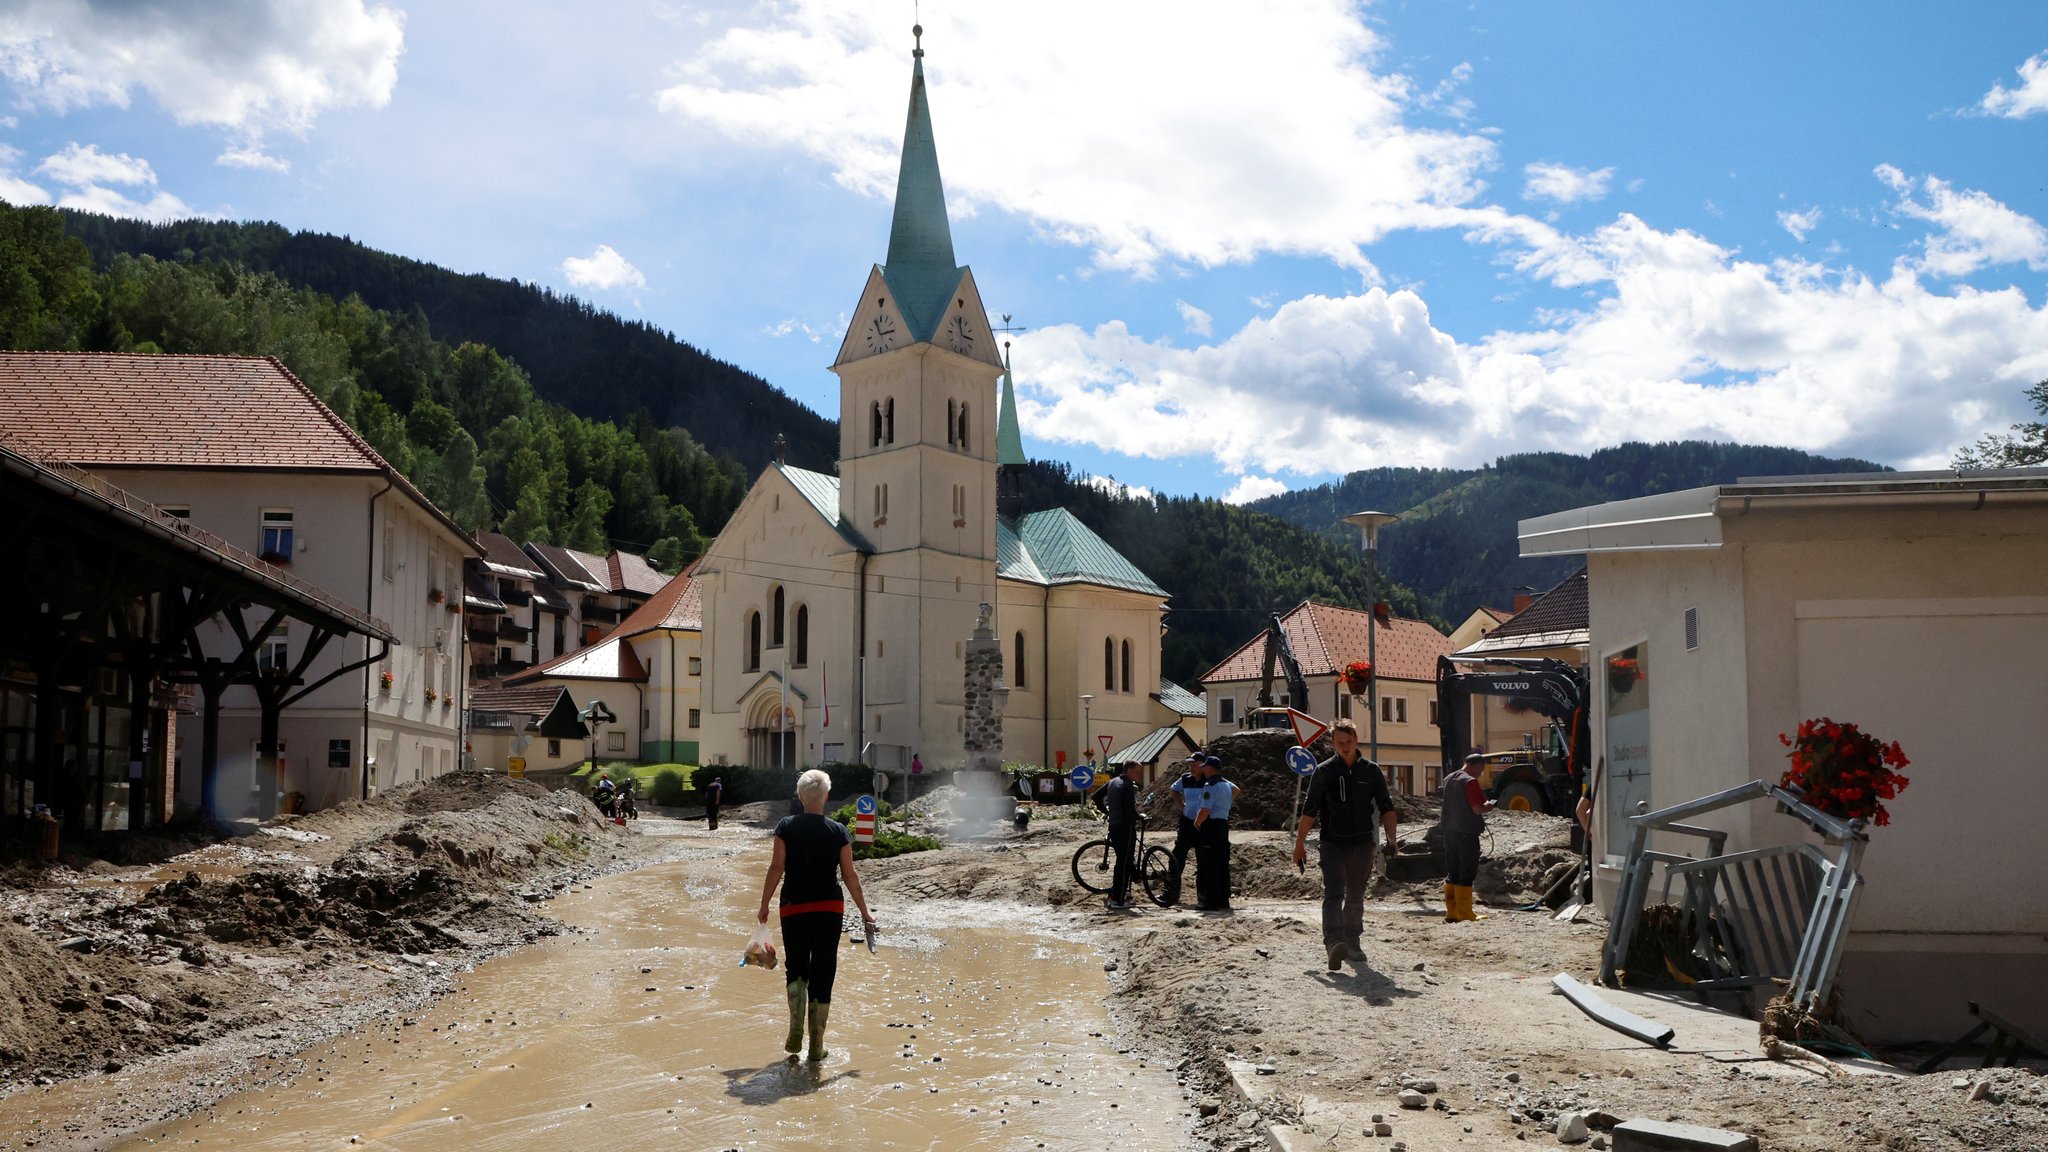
[1249, 247]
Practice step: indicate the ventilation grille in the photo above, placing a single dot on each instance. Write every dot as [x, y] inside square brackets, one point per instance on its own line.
[1692, 629]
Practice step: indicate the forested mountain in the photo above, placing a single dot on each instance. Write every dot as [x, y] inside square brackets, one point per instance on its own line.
[1455, 542]
[588, 360]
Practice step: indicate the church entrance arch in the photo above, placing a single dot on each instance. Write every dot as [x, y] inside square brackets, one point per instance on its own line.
[772, 731]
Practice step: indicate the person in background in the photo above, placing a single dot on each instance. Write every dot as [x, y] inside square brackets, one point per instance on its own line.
[714, 795]
[1212, 840]
[1344, 794]
[813, 854]
[916, 765]
[1189, 787]
[602, 792]
[1464, 818]
[1120, 804]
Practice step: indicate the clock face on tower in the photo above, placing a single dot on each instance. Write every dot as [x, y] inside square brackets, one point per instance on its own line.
[960, 335]
[881, 334]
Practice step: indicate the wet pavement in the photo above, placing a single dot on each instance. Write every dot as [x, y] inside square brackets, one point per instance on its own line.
[973, 1026]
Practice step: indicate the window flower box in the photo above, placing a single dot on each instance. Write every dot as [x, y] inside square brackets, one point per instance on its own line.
[281, 559]
[384, 683]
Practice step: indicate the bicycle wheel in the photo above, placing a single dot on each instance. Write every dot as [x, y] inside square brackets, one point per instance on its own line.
[1157, 870]
[1095, 866]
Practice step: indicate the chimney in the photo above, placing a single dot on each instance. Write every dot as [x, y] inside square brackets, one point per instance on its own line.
[1523, 600]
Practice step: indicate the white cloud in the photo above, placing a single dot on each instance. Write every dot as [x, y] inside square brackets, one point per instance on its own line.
[1564, 184]
[1205, 161]
[88, 173]
[1688, 340]
[81, 164]
[249, 66]
[1799, 223]
[1972, 230]
[1199, 322]
[2029, 99]
[14, 189]
[252, 158]
[603, 270]
[1250, 488]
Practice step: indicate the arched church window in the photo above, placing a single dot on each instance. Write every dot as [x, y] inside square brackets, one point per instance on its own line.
[952, 421]
[1108, 664]
[1018, 662]
[1127, 666]
[775, 603]
[889, 420]
[875, 425]
[963, 426]
[753, 642]
[801, 645]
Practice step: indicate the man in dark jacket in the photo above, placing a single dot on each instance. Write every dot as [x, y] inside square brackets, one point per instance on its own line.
[1345, 794]
[1120, 804]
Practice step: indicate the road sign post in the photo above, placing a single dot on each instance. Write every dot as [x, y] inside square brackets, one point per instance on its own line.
[864, 820]
[1081, 779]
[1302, 763]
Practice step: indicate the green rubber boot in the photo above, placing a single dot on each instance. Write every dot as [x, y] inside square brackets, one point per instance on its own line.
[799, 1000]
[819, 1014]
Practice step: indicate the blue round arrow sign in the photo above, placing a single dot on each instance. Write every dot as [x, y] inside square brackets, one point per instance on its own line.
[1082, 776]
[864, 805]
[1301, 760]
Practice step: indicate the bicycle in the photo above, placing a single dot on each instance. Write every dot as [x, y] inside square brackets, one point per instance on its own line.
[1095, 869]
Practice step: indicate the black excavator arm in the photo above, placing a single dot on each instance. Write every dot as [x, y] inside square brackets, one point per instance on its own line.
[1277, 648]
[1552, 688]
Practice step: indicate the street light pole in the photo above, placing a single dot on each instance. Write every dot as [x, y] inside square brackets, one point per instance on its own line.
[1369, 525]
[1087, 730]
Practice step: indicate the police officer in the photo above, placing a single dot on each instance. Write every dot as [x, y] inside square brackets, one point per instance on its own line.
[1212, 839]
[1190, 787]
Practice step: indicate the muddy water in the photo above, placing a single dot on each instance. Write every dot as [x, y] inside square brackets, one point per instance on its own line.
[971, 1027]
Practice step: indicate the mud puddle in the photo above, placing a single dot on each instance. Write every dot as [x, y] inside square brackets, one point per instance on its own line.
[973, 1026]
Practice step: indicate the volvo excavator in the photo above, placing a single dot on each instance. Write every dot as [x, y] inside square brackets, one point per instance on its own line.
[1267, 714]
[1546, 778]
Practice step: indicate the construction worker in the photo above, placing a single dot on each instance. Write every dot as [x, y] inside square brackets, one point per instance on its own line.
[1212, 840]
[1464, 817]
[1345, 792]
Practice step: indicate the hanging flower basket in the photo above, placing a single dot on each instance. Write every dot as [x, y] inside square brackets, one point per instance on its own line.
[1844, 771]
[454, 608]
[1357, 677]
[435, 595]
[384, 682]
[432, 695]
[1622, 673]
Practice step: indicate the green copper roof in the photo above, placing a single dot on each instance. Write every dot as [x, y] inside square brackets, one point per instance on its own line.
[1148, 749]
[921, 270]
[1052, 547]
[1009, 441]
[823, 493]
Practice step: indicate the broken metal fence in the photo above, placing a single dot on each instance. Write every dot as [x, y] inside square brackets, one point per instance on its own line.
[1766, 916]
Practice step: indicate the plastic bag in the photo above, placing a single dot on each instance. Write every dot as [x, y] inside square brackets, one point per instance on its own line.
[760, 949]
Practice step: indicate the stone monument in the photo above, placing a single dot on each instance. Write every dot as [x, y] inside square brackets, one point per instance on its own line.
[984, 737]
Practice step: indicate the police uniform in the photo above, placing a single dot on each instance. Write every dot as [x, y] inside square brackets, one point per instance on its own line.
[1191, 787]
[1212, 845]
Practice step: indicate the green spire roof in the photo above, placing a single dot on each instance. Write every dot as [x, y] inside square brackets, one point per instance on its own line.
[920, 269]
[1009, 441]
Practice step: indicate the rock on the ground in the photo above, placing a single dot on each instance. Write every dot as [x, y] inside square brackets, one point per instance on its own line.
[1410, 1098]
[1571, 1128]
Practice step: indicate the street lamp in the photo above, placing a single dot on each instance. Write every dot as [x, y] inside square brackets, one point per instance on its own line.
[1087, 728]
[1369, 525]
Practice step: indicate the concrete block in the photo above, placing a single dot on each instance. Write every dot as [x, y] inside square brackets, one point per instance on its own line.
[1659, 1136]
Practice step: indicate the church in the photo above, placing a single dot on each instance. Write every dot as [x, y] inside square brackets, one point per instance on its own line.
[836, 608]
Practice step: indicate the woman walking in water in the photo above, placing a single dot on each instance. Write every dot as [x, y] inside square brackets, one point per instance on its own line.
[812, 855]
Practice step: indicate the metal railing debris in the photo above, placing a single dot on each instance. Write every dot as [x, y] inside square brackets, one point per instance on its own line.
[1764, 916]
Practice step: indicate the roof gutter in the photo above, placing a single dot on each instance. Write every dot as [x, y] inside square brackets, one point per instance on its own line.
[1942, 499]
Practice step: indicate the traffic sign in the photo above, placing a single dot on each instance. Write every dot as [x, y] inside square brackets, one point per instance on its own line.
[1301, 760]
[864, 806]
[1105, 739]
[1307, 729]
[1082, 776]
[881, 783]
[515, 766]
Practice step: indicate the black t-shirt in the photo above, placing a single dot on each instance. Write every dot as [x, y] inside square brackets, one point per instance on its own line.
[810, 869]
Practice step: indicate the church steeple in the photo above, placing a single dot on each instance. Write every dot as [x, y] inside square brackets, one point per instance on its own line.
[920, 269]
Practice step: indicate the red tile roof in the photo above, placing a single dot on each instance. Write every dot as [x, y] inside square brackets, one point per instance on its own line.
[1326, 638]
[107, 410]
[678, 605]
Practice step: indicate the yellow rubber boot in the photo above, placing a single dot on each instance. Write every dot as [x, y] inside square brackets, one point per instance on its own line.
[1450, 903]
[1465, 903]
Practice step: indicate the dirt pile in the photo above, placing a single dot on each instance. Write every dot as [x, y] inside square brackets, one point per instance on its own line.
[109, 965]
[1256, 761]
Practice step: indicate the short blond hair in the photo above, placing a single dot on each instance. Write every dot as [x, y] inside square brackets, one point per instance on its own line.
[813, 787]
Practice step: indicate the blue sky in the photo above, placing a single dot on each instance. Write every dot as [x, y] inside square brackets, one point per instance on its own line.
[1255, 246]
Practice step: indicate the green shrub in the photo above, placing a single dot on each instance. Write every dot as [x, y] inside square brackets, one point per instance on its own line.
[668, 788]
[889, 844]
